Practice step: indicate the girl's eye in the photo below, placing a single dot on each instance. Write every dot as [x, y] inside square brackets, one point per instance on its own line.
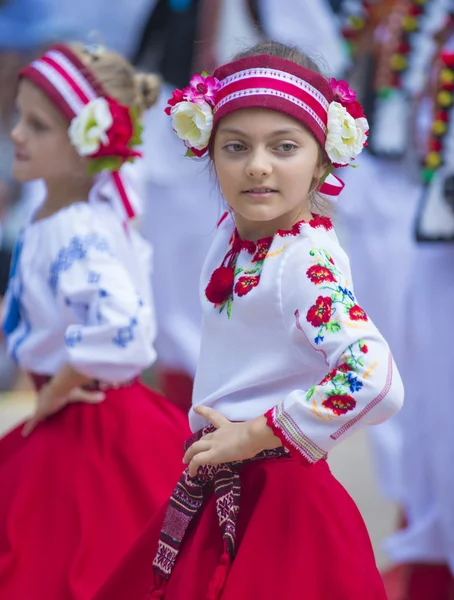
[287, 147]
[37, 125]
[235, 147]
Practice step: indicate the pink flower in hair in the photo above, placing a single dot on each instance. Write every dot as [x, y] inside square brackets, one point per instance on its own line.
[202, 88]
[342, 91]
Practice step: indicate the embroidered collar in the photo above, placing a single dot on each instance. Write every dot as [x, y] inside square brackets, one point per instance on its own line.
[221, 287]
[316, 221]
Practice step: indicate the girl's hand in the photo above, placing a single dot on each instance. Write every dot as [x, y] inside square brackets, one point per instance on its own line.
[50, 402]
[230, 441]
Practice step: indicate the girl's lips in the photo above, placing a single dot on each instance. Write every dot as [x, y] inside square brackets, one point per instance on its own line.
[259, 192]
[20, 156]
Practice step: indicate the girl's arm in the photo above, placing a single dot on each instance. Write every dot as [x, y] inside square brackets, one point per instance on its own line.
[356, 382]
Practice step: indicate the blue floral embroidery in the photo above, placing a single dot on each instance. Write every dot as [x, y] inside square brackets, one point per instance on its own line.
[347, 292]
[94, 277]
[125, 335]
[73, 337]
[353, 382]
[76, 250]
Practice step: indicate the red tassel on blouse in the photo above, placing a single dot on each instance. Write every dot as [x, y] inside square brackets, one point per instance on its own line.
[220, 577]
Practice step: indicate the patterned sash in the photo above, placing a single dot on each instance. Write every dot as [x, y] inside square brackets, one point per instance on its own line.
[188, 498]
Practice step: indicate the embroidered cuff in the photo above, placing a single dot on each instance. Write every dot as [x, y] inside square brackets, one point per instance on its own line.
[285, 428]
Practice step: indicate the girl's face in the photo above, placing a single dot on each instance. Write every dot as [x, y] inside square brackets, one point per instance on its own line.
[266, 163]
[42, 146]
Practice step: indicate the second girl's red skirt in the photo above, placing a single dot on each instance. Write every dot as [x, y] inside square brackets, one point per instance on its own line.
[299, 535]
[78, 491]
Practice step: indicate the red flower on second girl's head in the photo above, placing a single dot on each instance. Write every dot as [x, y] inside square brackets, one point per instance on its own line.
[120, 133]
[356, 313]
[245, 284]
[318, 274]
[320, 313]
[220, 286]
[339, 403]
[364, 349]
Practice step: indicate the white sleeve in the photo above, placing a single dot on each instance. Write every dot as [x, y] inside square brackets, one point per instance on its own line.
[109, 325]
[361, 385]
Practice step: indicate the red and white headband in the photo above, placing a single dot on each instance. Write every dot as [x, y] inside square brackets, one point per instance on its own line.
[101, 129]
[327, 108]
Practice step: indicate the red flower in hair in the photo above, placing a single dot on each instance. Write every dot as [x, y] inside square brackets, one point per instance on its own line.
[220, 286]
[320, 312]
[344, 368]
[355, 110]
[339, 404]
[177, 96]
[119, 135]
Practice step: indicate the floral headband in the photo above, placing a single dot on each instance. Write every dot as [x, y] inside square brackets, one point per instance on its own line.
[327, 108]
[101, 128]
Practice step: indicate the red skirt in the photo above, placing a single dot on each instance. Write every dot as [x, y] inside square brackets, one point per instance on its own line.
[299, 535]
[78, 491]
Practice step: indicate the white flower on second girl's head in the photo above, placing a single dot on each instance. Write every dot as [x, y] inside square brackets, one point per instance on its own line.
[346, 135]
[193, 122]
[89, 129]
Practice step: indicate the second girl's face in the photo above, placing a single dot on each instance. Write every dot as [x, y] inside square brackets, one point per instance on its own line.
[40, 137]
[266, 163]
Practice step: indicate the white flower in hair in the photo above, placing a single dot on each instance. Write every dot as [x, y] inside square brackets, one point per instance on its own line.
[89, 129]
[346, 135]
[193, 122]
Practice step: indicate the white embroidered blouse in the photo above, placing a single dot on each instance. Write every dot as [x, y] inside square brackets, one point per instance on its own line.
[286, 338]
[79, 293]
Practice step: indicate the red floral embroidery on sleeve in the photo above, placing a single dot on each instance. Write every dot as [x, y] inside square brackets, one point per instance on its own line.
[326, 276]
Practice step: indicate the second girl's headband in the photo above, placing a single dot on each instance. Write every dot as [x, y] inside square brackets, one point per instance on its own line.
[327, 108]
[101, 129]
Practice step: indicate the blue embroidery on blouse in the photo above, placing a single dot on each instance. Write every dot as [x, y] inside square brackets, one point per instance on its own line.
[76, 250]
[94, 277]
[73, 337]
[125, 335]
[354, 384]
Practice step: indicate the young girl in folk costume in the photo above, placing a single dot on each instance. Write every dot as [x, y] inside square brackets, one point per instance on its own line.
[101, 452]
[290, 364]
